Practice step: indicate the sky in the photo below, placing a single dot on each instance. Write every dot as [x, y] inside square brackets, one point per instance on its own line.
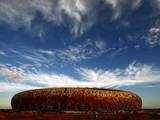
[80, 43]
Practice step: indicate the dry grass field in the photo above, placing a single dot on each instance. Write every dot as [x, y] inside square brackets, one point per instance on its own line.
[32, 115]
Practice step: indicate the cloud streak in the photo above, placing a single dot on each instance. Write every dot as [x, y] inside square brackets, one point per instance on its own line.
[8, 87]
[71, 54]
[88, 49]
[12, 73]
[134, 74]
[21, 13]
[154, 35]
[80, 14]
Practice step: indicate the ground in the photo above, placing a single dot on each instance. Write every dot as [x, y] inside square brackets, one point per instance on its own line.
[149, 114]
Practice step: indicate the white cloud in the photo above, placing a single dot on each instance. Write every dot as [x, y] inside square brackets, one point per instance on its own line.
[154, 35]
[12, 73]
[82, 14]
[100, 44]
[51, 58]
[20, 13]
[4, 87]
[2, 52]
[156, 4]
[15, 13]
[89, 49]
[118, 6]
[134, 74]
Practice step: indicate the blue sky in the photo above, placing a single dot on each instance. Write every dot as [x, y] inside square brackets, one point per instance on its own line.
[80, 43]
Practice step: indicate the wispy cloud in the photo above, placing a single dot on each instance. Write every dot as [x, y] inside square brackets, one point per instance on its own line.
[9, 87]
[70, 54]
[2, 52]
[156, 3]
[154, 35]
[81, 14]
[88, 49]
[118, 6]
[12, 73]
[134, 74]
[22, 13]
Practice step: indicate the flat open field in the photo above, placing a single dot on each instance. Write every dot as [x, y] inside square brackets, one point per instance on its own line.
[153, 114]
